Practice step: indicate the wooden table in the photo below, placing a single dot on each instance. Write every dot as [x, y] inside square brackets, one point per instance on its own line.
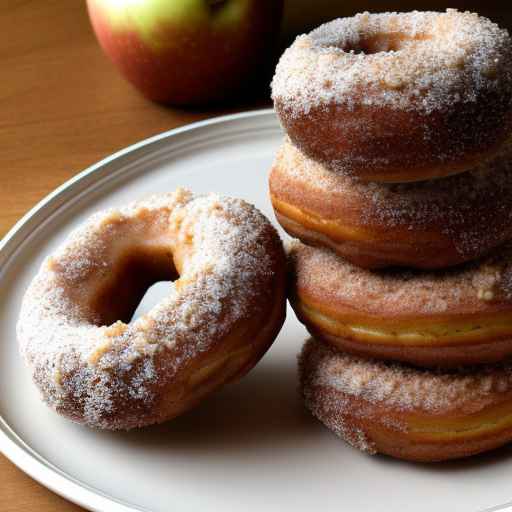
[62, 107]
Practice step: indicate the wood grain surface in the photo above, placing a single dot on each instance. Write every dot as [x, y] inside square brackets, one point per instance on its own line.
[62, 108]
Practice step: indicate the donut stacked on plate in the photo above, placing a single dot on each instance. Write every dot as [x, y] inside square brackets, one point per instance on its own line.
[396, 175]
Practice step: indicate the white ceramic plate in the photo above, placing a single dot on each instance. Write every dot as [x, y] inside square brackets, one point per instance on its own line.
[249, 448]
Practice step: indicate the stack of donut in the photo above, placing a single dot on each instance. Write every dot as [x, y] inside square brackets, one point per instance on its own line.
[396, 177]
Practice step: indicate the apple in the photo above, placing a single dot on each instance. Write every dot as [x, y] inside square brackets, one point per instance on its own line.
[186, 52]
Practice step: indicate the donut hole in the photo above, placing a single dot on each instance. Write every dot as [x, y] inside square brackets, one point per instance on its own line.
[382, 42]
[121, 291]
[153, 295]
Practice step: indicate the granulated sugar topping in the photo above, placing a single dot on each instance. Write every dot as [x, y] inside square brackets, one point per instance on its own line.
[421, 61]
[91, 371]
[399, 386]
[319, 272]
[445, 204]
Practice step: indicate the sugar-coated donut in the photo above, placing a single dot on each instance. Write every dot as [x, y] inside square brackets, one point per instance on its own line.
[445, 318]
[429, 224]
[398, 97]
[406, 412]
[221, 314]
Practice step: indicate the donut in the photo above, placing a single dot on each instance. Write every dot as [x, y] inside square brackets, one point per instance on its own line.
[458, 316]
[398, 97]
[429, 224]
[406, 412]
[222, 312]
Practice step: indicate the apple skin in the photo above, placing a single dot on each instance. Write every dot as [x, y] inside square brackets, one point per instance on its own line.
[188, 52]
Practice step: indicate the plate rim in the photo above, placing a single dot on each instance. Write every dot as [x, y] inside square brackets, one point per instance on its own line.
[11, 445]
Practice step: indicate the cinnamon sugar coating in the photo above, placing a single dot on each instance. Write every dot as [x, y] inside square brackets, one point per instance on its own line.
[402, 387]
[400, 293]
[430, 224]
[219, 317]
[445, 318]
[398, 96]
[410, 413]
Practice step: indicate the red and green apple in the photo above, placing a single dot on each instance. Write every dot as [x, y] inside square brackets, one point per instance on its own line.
[188, 51]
